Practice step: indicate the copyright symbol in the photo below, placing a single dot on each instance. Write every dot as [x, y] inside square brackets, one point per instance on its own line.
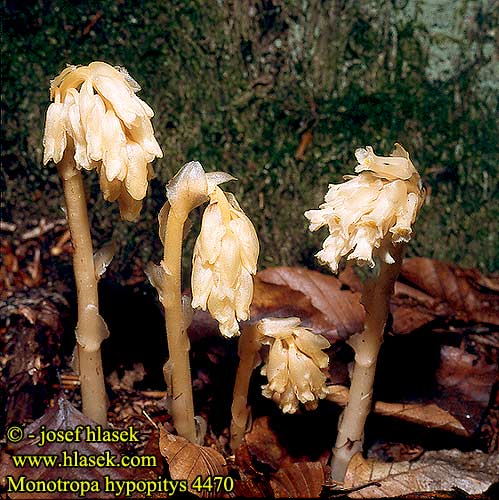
[15, 434]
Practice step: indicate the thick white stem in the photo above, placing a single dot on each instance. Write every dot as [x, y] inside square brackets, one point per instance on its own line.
[91, 329]
[376, 300]
[177, 368]
[248, 350]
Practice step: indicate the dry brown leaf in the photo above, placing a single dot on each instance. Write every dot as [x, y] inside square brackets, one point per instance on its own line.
[263, 444]
[465, 384]
[468, 374]
[336, 311]
[350, 278]
[280, 301]
[252, 484]
[428, 415]
[64, 416]
[300, 480]
[472, 472]
[469, 295]
[413, 309]
[187, 461]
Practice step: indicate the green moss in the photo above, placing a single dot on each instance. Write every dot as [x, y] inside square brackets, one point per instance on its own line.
[236, 90]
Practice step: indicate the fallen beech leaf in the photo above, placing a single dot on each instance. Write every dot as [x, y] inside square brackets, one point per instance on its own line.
[470, 295]
[252, 484]
[428, 415]
[187, 461]
[152, 449]
[280, 301]
[300, 480]
[413, 309]
[465, 384]
[472, 472]
[336, 312]
[263, 444]
[350, 278]
[64, 416]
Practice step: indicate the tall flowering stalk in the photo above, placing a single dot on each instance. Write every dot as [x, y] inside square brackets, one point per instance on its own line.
[370, 218]
[97, 122]
[224, 259]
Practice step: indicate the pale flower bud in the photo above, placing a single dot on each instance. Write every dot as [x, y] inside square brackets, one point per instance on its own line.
[110, 128]
[383, 200]
[225, 257]
[295, 363]
[191, 187]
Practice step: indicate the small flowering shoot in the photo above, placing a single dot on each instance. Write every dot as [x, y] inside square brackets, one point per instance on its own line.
[224, 260]
[97, 122]
[370, 218]
[295, 363]
[97, 115]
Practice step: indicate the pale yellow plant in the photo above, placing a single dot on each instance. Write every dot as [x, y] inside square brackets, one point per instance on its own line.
[224, 261]
[97, 122]
[370, 218]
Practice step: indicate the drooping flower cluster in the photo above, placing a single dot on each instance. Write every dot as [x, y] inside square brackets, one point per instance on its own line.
[382, 200]
[294, 364]
[225, 258]
[108, 128]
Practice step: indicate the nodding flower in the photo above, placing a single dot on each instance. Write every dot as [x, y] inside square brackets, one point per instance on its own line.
[295, 362]
[224, 262]
[96, 113]
[382, 201]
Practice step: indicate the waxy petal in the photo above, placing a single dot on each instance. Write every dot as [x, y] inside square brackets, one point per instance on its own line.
[382, 201]
[293, 368]
[136, 180]
[97, 113]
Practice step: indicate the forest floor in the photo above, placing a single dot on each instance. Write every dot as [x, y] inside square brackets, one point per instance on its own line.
[433, 433]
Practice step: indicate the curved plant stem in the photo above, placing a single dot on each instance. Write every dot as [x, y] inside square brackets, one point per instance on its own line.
[248, 349]
[177, 369]
[91, 329]
[376, 300]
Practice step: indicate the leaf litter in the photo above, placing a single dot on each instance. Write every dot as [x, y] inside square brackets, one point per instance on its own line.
[458, 309]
